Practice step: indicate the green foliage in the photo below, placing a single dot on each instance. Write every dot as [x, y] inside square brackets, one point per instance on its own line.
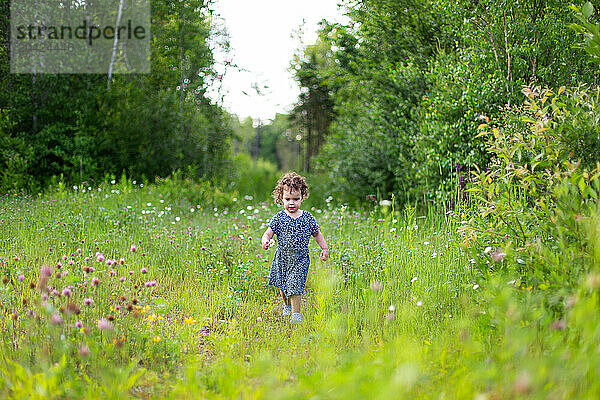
[252, 178]
[149, 125]
[536, 206]
[412, 80]
[588, 29]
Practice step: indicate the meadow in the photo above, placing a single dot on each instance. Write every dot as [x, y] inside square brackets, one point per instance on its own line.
[123, 290]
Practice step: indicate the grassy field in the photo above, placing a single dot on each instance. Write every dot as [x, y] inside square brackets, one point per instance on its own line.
[130, 291]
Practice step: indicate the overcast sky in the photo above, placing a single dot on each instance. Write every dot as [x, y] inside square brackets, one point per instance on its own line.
[262, 43]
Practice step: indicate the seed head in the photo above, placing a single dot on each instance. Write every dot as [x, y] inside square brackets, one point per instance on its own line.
[104, 324]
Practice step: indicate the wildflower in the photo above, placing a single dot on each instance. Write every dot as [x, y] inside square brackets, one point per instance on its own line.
[522, 384]
[122, 279]
[475, 286]
[88, 301]
[79, 324]
[156, 339]
[413, 280]
[95, 281]
[84, 351]
[376, 286]
[67, 292]
[592, 281]
[56, 319]
[113, 272]
[559, 325]
[21, 278]
[54, 292]
[190, 320]
[391, 308]
[71, 262]
[78, 251]
[385, 203]
[144, 270]
[121, 261]
[150, 283]
[133, 249]
[99, 257]
[104, 325]
[419, 303]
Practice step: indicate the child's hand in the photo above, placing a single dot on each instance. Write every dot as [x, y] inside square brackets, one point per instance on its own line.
[266, 244]
[324, 254]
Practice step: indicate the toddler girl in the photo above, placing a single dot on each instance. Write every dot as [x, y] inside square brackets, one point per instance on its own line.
[293, 228]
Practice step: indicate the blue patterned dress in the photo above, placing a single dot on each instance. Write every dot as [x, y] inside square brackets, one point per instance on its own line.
[290, 263]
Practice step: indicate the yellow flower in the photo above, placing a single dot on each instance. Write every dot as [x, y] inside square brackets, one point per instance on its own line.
[156, 339]
[151, 318]
[160, 318]
[189, 321]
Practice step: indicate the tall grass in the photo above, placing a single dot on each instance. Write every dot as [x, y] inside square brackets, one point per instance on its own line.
[397, 310]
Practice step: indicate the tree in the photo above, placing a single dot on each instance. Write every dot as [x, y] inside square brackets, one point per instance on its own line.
[314, 109]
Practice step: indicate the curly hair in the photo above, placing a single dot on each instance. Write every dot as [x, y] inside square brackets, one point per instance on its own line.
[292, 181]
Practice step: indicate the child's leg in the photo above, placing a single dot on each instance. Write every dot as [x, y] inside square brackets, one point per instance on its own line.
[296, 300]
[286, 300]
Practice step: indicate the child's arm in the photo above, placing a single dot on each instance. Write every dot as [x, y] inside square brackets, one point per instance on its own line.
[322, 244]
[266, 238]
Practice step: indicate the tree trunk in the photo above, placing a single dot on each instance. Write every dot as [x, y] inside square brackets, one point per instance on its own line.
[182, 73]
[115, 44]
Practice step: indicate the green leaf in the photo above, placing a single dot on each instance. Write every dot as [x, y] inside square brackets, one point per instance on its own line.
[588, 10]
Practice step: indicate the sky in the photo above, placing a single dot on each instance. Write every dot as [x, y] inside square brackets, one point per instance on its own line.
[260, 33]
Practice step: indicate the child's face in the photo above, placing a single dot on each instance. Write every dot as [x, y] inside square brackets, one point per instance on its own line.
[291, 199]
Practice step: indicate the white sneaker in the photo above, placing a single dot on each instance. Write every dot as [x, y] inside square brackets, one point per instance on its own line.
[296, 318]
[287, 310]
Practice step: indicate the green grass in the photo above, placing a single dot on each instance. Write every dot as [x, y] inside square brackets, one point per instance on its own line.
[397, 311]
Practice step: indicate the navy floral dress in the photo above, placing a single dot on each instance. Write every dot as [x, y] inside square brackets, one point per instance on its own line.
[290, 264]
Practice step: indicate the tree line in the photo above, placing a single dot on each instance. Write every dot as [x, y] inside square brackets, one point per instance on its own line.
[393, 98]
[84, 126]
